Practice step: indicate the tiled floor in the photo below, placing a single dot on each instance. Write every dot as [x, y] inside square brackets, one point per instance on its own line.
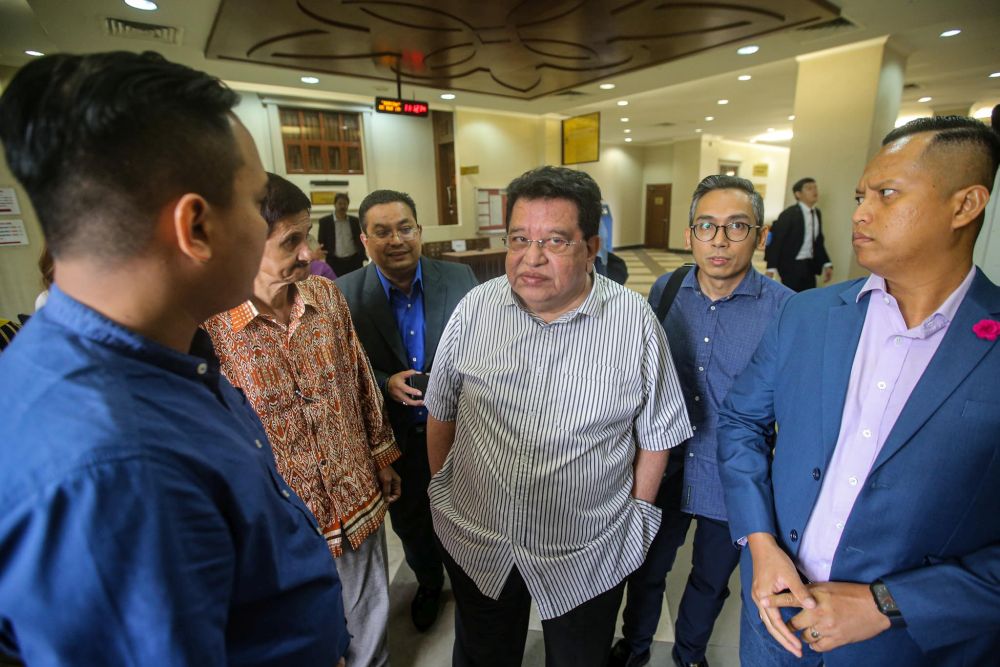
[408, 648]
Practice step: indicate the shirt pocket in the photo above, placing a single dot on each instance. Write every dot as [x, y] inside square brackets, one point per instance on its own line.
[598, 398]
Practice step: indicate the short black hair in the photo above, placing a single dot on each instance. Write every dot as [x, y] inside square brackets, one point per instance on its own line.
[977, 137]
[341, 195]
[801, 183]
[379, 197]
[102, 142]
[283, 199]
[560, 183]
[724, 182]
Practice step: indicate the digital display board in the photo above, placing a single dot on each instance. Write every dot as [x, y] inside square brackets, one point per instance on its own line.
[401, 107]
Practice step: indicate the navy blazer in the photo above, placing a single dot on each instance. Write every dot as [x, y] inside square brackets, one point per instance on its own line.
[928, 519]
[444, 285]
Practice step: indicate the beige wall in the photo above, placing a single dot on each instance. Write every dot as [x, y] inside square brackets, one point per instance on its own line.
[686, 175]
[747, 155]
[619, 175]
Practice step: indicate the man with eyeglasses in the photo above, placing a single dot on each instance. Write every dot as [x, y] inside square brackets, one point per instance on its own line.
[400, 303]
[552, 406]
[719, 312]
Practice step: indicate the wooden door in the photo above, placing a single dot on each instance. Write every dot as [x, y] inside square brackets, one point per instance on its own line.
[657, 215]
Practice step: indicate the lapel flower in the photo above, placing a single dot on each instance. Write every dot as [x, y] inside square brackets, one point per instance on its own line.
[987, 329]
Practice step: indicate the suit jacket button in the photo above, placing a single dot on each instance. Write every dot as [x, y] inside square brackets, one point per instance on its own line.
[794, 535]
[816, 473]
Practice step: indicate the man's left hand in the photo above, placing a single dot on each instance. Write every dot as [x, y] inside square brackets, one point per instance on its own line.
[827, 274]
[844, 614]
[391, 484]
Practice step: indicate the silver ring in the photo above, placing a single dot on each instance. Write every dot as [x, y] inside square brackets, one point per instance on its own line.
[814, 634]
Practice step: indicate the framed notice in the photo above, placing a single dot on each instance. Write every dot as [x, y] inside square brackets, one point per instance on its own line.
[12, 233]
[760, 169]
[581, 138]
[491, 204]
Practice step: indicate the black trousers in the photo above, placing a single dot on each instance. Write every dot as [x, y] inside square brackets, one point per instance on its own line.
[411, 514]
[492, 633]
[799, 275]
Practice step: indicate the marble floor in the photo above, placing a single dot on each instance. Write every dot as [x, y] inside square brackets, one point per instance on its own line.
[409, 648]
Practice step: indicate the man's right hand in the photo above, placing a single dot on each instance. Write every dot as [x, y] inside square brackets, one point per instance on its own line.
[401, 392]
[773, 572]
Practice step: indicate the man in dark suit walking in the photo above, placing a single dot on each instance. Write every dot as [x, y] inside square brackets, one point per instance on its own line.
[796, 249]
[400, 303]
[340, 235]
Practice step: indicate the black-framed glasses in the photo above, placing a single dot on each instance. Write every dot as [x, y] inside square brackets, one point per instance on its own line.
[555, 245]
[734, 231]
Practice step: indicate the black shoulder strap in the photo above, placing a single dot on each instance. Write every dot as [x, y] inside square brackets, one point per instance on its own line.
[670, 291]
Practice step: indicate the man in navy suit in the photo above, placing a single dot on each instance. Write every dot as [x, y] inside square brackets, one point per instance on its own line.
[874, 532]
[400, 303]
[796, 248]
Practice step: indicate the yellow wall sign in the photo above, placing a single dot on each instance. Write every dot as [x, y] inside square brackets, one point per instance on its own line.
[322, 197]
[581, 138]
[760, 169]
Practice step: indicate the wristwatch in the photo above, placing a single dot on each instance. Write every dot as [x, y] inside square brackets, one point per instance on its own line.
[887, 604]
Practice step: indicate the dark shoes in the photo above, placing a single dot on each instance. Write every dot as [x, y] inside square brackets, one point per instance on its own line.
[425, 606]
[622, 656]
[680, 663]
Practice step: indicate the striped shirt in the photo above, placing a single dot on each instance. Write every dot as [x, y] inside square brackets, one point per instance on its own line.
[548, 418]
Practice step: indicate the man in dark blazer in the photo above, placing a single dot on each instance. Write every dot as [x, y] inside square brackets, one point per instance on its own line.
[340, 235]
[873, 534]
[796, 249]
[400, 303]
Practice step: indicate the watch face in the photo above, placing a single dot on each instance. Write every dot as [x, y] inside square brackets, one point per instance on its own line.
[883, 597]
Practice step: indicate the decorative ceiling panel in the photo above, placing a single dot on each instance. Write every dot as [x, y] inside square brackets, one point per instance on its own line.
[515, 48]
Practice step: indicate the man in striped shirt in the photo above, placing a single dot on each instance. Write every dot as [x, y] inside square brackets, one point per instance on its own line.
[552, 406]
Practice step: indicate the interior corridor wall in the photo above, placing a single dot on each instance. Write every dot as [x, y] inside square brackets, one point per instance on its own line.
[619, 173]
[747, 155]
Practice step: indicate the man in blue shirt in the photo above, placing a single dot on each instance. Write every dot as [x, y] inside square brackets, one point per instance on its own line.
[142, 520]
[400, 303]
[721, 309]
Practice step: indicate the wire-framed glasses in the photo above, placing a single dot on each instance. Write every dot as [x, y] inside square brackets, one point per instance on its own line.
[555, 245]
[734, 231]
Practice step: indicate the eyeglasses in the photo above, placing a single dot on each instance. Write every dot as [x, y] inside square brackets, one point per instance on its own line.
[555, 245]
[734, 231]
[405, 233]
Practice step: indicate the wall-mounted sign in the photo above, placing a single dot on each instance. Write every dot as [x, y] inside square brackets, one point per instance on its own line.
[401, 107]
[12, 233]
[760, 169]
[490, 207]
[322, 197]
[581, 138]
[468, 171]
[8, 202]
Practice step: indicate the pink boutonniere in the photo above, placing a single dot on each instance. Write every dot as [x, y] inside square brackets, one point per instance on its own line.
[987, 329]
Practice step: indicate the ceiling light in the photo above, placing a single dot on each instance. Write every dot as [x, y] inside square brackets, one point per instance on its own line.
[34, 53]
[951, 33]
[447, 96]
[623, 103]
[607, 86]
[624, 119]
[309, 79]
[723, 102]
[925, 98]
[995, 75]
[744, 77]
[709, 118]
[777, 135]
[770, 129]
[628, 130]
[628, 139]
[144, 5]
[698, 129]
[792, 117]
[984, 112]
[748, 50]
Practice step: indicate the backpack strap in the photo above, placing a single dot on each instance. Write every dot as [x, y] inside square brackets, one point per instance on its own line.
[670, 291]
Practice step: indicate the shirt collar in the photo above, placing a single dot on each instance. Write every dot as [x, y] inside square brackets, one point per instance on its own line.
[751, 285]
[876, 286]
[388, 287]
[242, 315]
[805, 209]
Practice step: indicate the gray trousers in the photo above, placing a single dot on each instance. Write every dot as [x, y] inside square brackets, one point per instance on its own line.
[364, 575]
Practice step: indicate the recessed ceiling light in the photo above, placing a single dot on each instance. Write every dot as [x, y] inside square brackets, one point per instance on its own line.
[628, 130]
[144, 5]
[628, 139]
[447, 96]
[723, 102]
[995, 75]
[748, 50]
[607, 86]
[698, 129]
[744, 77]
[925, 98]
[34, 53]
[709, 118]
[624, 119]
[309, 79]
[792, 117]
[623, 103]
[770, 129]
[951, 33]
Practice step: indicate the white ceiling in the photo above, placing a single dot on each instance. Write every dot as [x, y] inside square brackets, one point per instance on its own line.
[953, 71]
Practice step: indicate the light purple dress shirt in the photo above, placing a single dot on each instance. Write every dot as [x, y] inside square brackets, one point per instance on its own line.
[889, 361]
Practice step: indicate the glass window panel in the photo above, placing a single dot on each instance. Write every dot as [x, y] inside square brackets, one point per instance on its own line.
[315, 159]
[293, 157]
[353, 158]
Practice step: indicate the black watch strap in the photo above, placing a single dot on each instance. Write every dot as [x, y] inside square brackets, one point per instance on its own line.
[887, 604]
